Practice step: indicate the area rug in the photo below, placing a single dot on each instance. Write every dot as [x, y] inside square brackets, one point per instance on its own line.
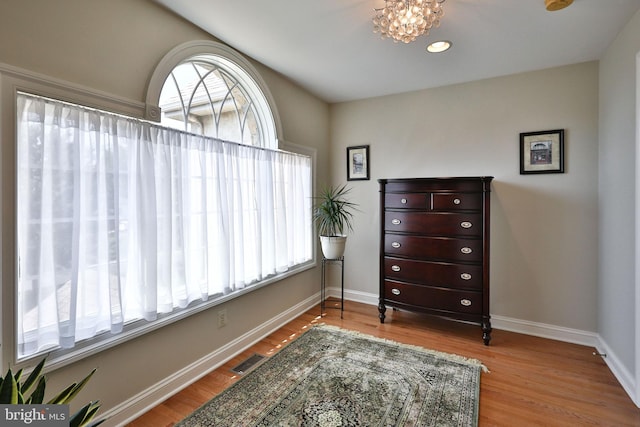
[330, 377]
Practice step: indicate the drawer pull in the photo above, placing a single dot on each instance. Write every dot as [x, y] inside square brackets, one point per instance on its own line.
[465, 302]
[466, 250]
[466, 224]
[456, 201]
[397, 292]
[465, 276]
[395, 267]
[395, 245]
[403, 201]
[395, 221]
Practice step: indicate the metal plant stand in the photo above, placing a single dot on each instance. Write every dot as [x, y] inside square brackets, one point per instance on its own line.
[323, 290]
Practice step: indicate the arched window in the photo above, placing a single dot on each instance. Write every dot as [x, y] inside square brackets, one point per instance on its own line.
[208, 89]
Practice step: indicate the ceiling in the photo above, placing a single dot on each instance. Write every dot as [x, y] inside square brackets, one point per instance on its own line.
[329, 48]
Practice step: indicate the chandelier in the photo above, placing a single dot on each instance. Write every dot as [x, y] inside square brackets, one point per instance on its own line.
[404, 20]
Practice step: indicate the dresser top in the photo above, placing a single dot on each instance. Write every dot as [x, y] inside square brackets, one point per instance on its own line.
[464, 184]
[457, 178]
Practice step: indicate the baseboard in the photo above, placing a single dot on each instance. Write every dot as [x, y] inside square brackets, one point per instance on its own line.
[622, 374]
[132, 408]
[544, 330]
[504, 323]
[357, 296]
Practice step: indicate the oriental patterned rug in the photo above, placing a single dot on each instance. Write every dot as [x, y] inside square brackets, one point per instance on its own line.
[330, 377]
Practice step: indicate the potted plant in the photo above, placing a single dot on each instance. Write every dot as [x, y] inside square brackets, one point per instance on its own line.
[14, 391]
[333, 215]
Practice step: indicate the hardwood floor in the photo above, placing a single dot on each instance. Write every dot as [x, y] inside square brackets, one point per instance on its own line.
[532, 381]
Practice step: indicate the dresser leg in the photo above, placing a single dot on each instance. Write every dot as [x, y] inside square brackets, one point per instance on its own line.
[486, 332]
[381, 310]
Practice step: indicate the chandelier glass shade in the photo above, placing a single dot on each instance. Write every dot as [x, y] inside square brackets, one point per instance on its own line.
[404, 20]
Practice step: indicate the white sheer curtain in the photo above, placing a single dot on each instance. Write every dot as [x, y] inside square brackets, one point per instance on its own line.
[121, 219]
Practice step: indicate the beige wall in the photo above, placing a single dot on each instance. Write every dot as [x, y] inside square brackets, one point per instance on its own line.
[113, 46]
[619, 223]
[544, 244]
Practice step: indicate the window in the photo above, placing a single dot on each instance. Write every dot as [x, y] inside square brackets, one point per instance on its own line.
[210, 89]
[201, 97]
[123, 222]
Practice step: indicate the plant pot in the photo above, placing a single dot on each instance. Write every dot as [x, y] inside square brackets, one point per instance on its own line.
[333, 246]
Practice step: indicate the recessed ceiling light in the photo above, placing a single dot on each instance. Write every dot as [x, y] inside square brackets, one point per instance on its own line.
[439, 46]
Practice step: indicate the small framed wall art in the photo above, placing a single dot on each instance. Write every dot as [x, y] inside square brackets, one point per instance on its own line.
[358, 163]
[542, 152]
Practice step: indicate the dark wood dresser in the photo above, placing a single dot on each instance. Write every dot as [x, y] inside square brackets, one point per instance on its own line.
[434, 248]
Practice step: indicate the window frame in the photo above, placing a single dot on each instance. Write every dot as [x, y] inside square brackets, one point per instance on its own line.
[14, 80]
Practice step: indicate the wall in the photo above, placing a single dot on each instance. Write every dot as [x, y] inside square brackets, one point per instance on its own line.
[617, 303]
[544, 252]
[113, 47]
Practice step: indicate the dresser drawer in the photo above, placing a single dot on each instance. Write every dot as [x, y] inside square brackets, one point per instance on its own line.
[433, 298]
[456, 201]
[434, 224]
[444, 185]
[446, 275]
[433, 248]
[406, 200]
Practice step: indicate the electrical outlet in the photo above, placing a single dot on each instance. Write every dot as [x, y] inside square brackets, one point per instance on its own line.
[222, 318]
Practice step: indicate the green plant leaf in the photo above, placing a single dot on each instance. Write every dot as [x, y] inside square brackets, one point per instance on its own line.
[333, 214]
[84, 416]
[9, 390]
[61, 397]
[37, 396]
[17, 376]
[33, 377]
[76, 389]
[95, 407]
[66, 395]
[77, 419]
[92, 410]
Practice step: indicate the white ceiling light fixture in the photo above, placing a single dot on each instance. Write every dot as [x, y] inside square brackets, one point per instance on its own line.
[404, 20]
[439, 46]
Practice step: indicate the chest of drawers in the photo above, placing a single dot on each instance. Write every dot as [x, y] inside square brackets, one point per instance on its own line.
[434, 248]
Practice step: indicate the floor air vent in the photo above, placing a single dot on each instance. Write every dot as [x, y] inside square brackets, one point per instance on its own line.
[246, 366]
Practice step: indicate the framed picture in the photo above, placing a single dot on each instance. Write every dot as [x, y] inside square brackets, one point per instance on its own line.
[358, 163]
[542, 152]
